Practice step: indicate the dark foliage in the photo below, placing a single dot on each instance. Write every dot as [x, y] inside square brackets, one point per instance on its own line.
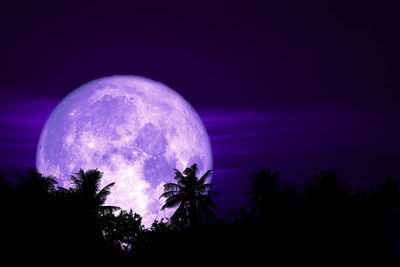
[322, 223]
[192, 197]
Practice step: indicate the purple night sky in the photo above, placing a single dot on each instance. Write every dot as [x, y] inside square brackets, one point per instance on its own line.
[299, 87]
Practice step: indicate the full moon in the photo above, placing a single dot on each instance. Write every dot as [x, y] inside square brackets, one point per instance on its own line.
[134, 130]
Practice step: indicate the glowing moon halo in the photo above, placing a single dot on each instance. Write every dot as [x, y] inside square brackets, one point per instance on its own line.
[133, 129]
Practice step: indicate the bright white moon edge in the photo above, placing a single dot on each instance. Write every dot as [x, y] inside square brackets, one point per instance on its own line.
[134, 130]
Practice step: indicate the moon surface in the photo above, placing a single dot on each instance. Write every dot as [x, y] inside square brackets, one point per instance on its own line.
[134, 130]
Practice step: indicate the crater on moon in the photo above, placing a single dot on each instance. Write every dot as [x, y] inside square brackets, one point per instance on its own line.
[133, 129]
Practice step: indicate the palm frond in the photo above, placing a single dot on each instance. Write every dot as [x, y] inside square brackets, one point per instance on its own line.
[207, 200]
[203, 178]
[173, 201]
[252, 200]
[204, 187]
[51, 179]
[168, 194]
[76, 181]
[208, 213]
[104, 193]
[180, 213]
[178, 174]
[172, 186]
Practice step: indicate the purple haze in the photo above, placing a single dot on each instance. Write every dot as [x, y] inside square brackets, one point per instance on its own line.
[357, 145]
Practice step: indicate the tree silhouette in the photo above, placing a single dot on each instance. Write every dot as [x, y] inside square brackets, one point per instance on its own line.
[37, 183]
[265, 191]
[242, 218]
[122, 230]
[87, 187]
[327, 186]
[85, 213]
[192, 195]
[319, 223]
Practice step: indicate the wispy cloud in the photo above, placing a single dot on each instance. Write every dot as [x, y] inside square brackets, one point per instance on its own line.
[307, 141]
[362, 146]
[21, 121]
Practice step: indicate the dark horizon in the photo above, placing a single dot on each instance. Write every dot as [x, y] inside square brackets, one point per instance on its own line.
[320, 223]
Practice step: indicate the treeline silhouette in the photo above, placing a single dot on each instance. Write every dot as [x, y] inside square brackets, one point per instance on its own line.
[322, 222]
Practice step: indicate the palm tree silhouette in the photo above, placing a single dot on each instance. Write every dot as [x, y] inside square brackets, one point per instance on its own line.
[37, 183]
[192, 195]
[87, 186]
[242, 217]
[327, 187]
[265, 190]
